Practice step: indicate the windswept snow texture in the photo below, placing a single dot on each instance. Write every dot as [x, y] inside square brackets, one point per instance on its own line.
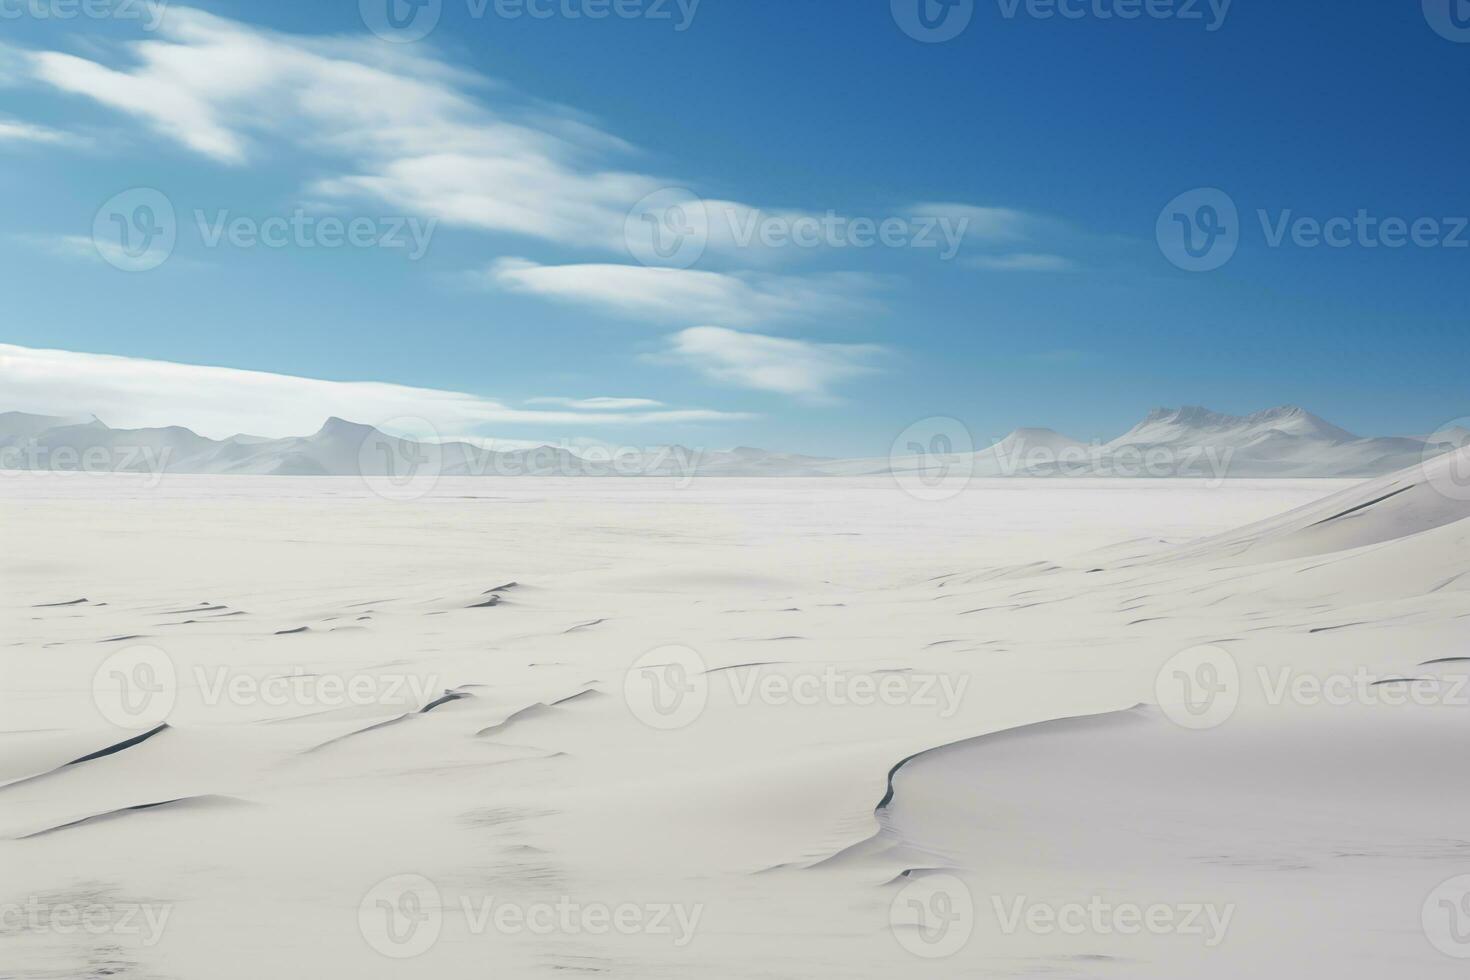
[838, 730]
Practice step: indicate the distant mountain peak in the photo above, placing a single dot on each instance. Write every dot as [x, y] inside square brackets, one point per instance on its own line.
[1036, 438]
[1191, 441]
[1291, 420]
[335, 427]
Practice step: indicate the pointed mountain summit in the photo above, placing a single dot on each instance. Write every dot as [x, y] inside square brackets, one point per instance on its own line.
[1193, 425]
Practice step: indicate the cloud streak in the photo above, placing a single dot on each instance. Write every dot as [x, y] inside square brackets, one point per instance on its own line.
[681, 295]
[399, 125]
[16, 131]
[218, 402]
[799, 368]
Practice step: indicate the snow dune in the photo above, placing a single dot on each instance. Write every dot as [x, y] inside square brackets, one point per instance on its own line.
[681, 706]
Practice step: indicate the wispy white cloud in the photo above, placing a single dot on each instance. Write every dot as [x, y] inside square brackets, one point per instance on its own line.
[64, 246]
[403, 129]
[13, 67]
[986, 224]
[1022, 262]
[688, 294]
[401, 125]
[780, 364]
[84, 248]
[128, 392]
[397, 126]
[1012, 240]
[597, 404]
[16, 131]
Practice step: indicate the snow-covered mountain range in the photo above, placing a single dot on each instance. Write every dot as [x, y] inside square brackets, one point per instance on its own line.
[1186, 442]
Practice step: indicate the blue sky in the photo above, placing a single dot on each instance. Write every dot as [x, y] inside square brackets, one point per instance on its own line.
[521, 145]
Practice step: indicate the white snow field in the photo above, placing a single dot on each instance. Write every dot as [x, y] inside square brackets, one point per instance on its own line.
[282, 727]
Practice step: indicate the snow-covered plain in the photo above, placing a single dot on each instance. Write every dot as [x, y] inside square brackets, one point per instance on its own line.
[735, 728]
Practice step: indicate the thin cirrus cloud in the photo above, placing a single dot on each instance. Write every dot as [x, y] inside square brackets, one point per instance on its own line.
[687, 294]
[986, 224]
[16, 131]
[1012, 240]
[799, 368]
[1022, 262]
[129, 392]
[401, 128]
[400, 125]
[411, 133]
[597, 404]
